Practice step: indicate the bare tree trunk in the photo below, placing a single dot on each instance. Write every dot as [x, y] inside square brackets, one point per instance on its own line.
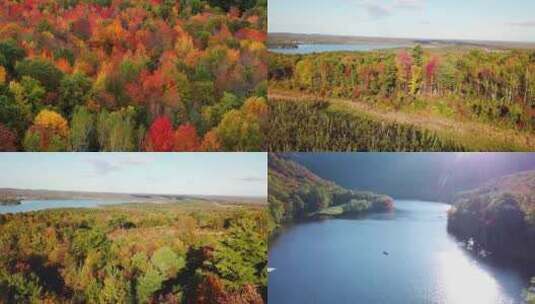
[526, 86]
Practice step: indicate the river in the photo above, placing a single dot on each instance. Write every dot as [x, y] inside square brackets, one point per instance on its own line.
[403, 257]
[34, 205]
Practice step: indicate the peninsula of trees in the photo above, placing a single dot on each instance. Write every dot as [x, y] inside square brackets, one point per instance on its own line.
[295, 193]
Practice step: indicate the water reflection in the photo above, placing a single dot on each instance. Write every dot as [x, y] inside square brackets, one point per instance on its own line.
[320, 48]
[343, 261]
[35, 205]
[464, 280]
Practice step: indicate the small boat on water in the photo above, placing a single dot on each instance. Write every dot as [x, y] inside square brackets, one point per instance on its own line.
[386, 253]
[470, 244]
[271, 269]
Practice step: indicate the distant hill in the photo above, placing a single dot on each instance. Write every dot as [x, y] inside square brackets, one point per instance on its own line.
[499, 216]
[297, 193]
[422, 176]
[298, 38]
[521, 185]
[32, 194]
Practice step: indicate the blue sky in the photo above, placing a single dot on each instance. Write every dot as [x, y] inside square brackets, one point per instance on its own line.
[510, 20]
[235, 174]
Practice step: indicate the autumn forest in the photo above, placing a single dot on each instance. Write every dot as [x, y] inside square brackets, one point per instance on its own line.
[185, 252]
[469, 98]
[106, 75]
[269, 130]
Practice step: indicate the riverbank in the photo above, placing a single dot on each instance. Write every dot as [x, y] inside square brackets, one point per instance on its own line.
[499, 217]
[9, 202]
[296, 193]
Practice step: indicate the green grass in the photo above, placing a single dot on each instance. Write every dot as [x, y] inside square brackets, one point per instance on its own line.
[439, 117]
[334, 126]
[331, 211]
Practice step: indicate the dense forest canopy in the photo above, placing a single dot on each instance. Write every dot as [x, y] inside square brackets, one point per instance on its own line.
[296, 193]
[146, 253]
[132, 75]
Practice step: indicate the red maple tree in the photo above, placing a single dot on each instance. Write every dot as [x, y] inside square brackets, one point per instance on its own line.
[160, 135]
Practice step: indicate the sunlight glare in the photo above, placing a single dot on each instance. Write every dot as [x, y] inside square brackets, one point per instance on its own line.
[465, 282]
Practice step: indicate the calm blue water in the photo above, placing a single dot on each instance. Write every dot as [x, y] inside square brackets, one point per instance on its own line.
[342, 261]
[320, 48]
[34, 205]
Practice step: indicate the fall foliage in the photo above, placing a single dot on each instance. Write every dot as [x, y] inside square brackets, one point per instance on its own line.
[482, 99]
[136, 253]
[52, 121]
[140, 60]
[186, 139]
[160, 136]
[7, 139]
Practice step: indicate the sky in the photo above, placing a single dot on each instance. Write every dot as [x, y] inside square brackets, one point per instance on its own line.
[228, 174]
[507, 20]
[429, 176]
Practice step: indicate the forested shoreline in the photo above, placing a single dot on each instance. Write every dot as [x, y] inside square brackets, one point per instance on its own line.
[138, 253]
[132, 75]
[499, 216]
[492, 87]
[295, 193]
[499, 219]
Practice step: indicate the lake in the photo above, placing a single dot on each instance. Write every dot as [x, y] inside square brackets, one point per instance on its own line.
[403, 257]
[34, 205]
[321, 48]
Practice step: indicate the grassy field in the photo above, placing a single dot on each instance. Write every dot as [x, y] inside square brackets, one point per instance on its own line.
[438, 116]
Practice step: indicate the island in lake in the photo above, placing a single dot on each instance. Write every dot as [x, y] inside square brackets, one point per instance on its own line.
[344, 246]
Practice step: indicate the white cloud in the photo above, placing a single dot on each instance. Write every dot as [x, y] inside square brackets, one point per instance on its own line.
[253, 179]
[382, 8]
[377, 9]
[530, 23]
[103, 166]
[409, 4]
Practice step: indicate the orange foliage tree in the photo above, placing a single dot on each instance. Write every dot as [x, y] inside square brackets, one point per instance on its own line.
[7, 139]
[210, 142]
[186, 139]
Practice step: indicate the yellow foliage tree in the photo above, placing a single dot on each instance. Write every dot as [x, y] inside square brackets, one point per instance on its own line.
[52, 121]
[256, 107]
[2, 75]
[416, 80]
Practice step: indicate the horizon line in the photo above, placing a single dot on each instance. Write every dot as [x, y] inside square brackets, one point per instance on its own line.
[138, 193]
[405, 37]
